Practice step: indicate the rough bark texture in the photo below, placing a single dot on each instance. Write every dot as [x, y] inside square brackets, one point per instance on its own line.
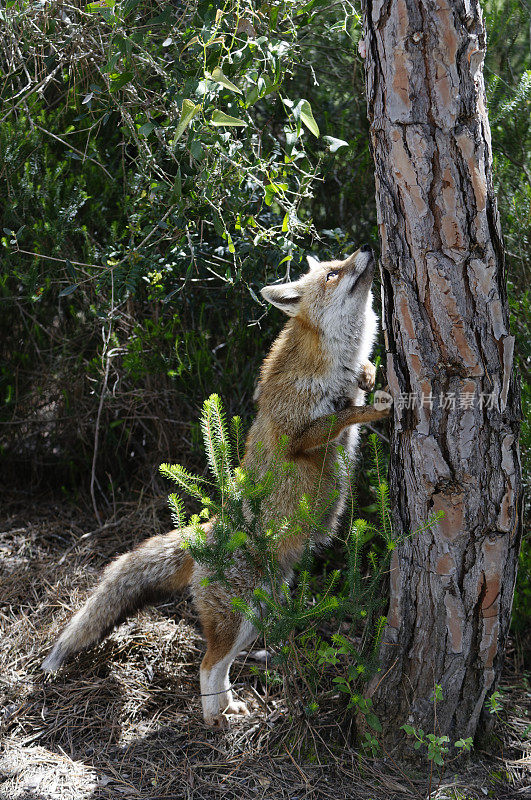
[447, 336]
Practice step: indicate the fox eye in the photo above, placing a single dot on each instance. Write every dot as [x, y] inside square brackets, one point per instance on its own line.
[332, 274]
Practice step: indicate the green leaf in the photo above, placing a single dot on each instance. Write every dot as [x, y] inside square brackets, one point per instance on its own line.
[99, 6]
[146, 129]
[263, 87]
[220, 77]
[70, 268]
[307, 117]
[129, 6]
[196, 150]
[68, 290]
[285, 223]
[111, 64]
[374, 722]
[334, 144]
[119, 79]
[177, 186]
[465, 744]
[272, 189]
[189, 111]
[220, 118]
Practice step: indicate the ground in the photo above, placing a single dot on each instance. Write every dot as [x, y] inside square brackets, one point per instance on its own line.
[123, 720]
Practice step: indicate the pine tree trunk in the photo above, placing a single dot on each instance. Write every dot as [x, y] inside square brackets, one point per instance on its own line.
[449, 365]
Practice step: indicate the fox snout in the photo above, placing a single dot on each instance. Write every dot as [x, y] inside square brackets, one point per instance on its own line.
[365, 254]
[360, 260]
[363, 270]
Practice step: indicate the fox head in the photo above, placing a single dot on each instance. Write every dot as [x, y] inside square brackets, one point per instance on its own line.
[331, 296]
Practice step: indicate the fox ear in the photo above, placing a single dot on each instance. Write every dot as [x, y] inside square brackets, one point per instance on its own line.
[312, 262]
[285, 296]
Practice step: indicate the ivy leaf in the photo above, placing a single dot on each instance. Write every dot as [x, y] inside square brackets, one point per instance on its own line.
[303, 111]
[220, 118]
[265, 85]
[194, 40]
[196, 150]
[334, 144]
[220, 77]
[188, 112]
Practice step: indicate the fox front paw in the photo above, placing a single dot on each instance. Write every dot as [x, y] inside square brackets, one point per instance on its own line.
[367, 377]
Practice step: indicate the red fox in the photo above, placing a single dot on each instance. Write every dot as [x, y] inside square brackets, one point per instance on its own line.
[311, 392]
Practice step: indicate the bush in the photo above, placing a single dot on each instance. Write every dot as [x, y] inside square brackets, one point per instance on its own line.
[165, 169]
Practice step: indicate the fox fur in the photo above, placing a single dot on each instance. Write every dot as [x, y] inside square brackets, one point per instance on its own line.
[311, 390]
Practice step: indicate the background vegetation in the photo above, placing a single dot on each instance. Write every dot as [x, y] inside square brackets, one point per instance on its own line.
[160, 162]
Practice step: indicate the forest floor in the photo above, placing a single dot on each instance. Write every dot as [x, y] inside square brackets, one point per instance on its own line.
[124, 721]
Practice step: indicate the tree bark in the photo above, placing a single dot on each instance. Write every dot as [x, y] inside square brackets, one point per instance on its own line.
[449, 357]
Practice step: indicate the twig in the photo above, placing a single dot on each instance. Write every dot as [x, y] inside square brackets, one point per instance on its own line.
[61, 260]
[38, 86]
[402, 773]
[83, 155]
[385, 675]
[105, 355]
[381, 435]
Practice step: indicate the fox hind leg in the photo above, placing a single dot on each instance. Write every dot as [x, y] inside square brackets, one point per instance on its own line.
[226, 636]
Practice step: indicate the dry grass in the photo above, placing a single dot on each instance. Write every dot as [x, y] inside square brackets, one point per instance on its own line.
[123, 720]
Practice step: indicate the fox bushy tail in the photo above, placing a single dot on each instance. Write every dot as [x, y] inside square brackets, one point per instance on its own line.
[159, 567]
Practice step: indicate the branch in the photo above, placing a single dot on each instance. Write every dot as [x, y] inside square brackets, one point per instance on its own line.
[79, 152]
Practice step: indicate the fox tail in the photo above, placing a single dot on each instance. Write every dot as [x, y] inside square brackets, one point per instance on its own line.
[159, 567]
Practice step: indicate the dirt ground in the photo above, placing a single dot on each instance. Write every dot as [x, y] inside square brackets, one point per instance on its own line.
[123, 720]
